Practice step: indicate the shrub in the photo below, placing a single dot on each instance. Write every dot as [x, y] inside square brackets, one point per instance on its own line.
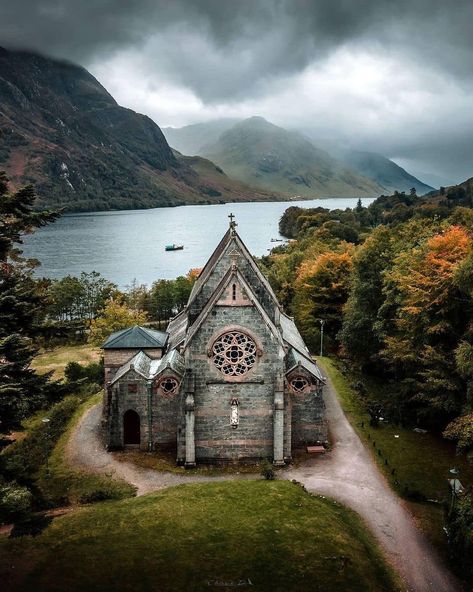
[267, 470]
[22, 460]
[15, 502]
[96, 495]
[31, 525]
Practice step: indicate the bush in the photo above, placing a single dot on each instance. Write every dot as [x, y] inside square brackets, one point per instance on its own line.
[22, 460]
[267, 471]
[460, 528]
[96, 495]
[15, 502]
[90, 373]
[31, 525]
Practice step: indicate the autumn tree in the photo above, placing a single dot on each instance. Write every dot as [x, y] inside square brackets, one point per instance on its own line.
[115, 316]
[427, 314]
[321, 290]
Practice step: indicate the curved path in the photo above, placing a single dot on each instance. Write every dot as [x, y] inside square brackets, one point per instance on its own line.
[86, 451]
[346, 473]
[349, 474]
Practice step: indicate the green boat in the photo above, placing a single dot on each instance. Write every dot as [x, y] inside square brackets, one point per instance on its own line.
[173, 247]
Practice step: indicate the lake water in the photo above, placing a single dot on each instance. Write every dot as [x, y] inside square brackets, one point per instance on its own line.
[129, 245]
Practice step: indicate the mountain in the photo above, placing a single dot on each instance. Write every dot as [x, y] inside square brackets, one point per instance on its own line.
[261, 154]
[61, 130]
[379, 168]
[193, 139]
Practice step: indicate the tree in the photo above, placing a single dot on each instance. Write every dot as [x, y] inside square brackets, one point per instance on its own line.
[359, 336]
[425, 313]
[22, 390]
[115, 316]
[321, 290]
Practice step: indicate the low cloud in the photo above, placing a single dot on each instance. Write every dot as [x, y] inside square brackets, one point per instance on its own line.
[378, 74]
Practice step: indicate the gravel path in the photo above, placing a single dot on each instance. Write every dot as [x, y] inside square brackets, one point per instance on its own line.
[346, 473]
[85, 450]
[349, 474]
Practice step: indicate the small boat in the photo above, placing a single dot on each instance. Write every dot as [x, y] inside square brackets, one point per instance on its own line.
[173, 247]
[277, 240]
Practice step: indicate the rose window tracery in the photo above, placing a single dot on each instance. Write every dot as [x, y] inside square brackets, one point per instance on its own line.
[168, 385]
[234, 353]
[299, 384]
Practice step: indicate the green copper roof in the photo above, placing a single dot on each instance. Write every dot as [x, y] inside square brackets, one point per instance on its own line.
[136, 338]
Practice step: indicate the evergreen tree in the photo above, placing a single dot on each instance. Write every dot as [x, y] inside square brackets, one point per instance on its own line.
[22, 390]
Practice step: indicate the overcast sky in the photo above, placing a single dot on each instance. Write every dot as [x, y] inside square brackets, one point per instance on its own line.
[394, 76]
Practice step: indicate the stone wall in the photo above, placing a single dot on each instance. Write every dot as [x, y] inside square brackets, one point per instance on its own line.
[131, 392]
[215, 438]
[247, 272]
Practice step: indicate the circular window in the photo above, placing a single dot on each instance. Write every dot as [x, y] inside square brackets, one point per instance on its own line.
[299, 384]
[168, 386]
[234, 353]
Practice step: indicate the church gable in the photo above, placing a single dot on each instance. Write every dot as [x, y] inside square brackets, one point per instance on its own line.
[234, 283]
[231, 252]
[234, 294]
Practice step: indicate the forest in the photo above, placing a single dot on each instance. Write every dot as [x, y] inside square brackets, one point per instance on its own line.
[393, 283]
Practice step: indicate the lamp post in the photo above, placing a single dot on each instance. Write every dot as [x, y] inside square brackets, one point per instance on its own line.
[321, 321]
[455, 486]
[46, 421]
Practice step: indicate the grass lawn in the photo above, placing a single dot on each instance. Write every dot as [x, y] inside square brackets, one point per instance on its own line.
[58, 358]
[421, 461]
[262, 535]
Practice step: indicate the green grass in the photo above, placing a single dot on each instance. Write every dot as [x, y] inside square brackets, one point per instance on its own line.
[57, 359]
[63, 484]
[166, 461]
[421, 461]
[272, 533]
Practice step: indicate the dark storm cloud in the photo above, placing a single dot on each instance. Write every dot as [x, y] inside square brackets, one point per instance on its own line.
[223, 48]
[232, 53]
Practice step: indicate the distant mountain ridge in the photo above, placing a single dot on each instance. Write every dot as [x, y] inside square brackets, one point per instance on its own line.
[267, 156]
[201, 138]
[61, 130]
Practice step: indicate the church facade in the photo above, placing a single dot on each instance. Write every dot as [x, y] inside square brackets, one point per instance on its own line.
[230, 380]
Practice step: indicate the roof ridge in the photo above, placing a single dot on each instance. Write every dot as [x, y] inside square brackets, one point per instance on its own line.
[217, 293]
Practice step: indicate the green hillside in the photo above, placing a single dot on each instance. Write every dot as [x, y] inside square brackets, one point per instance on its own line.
[261, 154]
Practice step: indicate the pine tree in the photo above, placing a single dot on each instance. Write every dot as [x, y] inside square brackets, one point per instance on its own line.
[22, 390]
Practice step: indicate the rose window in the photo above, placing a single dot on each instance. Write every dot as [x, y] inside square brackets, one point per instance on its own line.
[168, 386]
[234, 353]
[299, 384]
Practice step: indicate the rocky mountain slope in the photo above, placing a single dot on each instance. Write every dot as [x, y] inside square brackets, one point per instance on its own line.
[379, 168]
[61, 130]
[267, 156]
[192, 139]
[199, 138]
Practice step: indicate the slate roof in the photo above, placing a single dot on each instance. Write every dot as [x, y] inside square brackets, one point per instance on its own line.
[177, 329]
[294, 358]
[149, 369]
[136, 338]
[141, 364]
[291, 334]
[172, 360]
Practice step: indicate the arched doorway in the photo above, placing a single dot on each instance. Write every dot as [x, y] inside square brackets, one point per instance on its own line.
[131, 428]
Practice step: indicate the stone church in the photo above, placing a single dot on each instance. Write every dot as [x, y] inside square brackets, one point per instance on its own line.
[230, 380]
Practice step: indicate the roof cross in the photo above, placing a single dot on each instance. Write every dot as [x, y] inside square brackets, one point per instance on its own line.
[232, 221]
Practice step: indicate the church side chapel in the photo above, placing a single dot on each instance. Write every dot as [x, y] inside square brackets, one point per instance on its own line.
[230, 380]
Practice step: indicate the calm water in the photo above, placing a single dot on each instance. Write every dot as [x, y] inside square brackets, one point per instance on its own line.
[129, 245]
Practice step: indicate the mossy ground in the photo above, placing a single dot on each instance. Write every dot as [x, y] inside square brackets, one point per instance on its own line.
[193, 537]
